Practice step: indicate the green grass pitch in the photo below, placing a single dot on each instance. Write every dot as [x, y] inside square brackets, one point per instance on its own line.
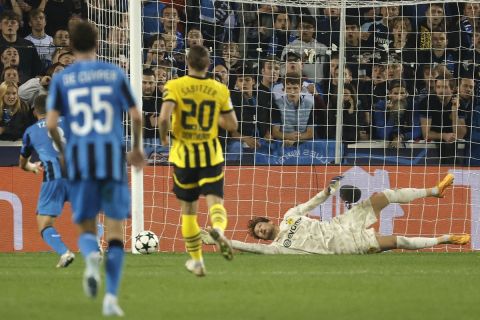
[383, 286]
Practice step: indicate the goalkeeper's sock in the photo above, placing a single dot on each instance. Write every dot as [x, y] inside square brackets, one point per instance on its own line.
[404, 195]
[191, 235]
[53, 239]
[218, 217]
[415, 242]
[114, 266]
[87, 243]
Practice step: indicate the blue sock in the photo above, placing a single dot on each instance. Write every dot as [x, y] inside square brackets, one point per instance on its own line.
[53, 239]
[87, 243]
[114, 265]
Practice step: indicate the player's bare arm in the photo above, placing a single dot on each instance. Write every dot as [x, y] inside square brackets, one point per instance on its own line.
[164, 120]
[26, 165]
[135, 157]
[228, 121]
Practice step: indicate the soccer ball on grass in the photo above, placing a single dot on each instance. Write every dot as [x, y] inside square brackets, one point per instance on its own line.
[146, 242]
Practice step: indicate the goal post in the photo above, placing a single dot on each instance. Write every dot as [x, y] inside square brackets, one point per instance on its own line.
[368, 68]
[135, 28]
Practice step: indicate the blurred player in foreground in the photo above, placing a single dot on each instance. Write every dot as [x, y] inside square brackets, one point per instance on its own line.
[348, 233]
[93, 96]
[198, 105]
[53, 192]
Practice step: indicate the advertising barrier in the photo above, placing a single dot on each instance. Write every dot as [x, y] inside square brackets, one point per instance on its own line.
[262, 191]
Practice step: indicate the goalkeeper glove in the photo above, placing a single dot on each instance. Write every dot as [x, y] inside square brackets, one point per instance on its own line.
[334, 184]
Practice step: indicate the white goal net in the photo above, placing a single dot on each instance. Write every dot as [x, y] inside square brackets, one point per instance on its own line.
[385, 93]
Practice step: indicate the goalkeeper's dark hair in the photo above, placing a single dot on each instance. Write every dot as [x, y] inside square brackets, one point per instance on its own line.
[253, 222]
[198, 58]
[83, 36]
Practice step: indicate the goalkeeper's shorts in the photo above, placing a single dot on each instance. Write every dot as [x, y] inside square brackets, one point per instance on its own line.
[190, 183]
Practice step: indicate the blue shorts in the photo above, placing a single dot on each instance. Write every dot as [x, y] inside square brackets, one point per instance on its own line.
[53, 195]
[89, 197]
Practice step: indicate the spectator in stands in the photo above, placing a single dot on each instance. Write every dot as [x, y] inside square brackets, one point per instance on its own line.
[194, 38]
[176, 58]
[151, 110]
[31, 64]
[162, 75]
[38, 85]
[441, 118]
[395, 119]
[42, 41]
[308, 48]
[426, 83]
[434, 20]
[118, 38]
[58, 13]
[294, 64]
[402, 47]
[440, 54]
[61, 39]
[151, 11]
[294, 123]
[280, 36]
[246, 139]
[170, 20]
[328, 27]
[156, 51]
[380, 31]
[220, 72]
[231, 55]
[466, 90]
[270, 73]
[359, 57]
[10, 74]
[16, 115]
[467, 23]
[355, 126]
[66, 58]
[10, 58]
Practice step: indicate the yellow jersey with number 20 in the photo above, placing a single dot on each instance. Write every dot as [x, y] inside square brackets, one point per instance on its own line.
[198, 104]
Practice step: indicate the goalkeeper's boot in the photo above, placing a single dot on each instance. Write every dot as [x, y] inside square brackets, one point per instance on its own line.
[444, 184]
[196, 267]
[460, 239]
[65, 259]
[91, 276]
[222, 243]
[110, 306]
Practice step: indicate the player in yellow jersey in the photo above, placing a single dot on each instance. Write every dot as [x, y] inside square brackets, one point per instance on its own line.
[197, 106]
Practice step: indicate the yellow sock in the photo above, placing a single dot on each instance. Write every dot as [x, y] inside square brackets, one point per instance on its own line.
[218, 216]
[191, 235]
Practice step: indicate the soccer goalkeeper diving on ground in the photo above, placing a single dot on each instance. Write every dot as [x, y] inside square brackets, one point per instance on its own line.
[349, 233]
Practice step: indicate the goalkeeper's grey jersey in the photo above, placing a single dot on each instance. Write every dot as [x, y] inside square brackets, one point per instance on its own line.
[299, 232]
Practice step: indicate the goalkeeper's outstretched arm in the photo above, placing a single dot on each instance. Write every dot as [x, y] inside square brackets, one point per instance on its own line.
[263, 248]
[252, 247]
[319, 198]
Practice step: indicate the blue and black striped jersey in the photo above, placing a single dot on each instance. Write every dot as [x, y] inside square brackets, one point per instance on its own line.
[36, 138]
[92, 96]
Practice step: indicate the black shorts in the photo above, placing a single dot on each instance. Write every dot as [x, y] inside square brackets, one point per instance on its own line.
[190, 183]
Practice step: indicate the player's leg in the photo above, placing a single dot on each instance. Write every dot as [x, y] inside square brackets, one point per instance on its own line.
[192, 237]
[211, 185]
[50, 205]
[85, 200]
[115, 202]
[405, 195]
[415, 243]
[187, 192]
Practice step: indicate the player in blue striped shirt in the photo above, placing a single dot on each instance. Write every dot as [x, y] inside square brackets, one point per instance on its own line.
[93, 97]
[53, 193]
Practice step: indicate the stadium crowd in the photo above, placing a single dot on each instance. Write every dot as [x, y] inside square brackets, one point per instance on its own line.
[409, 72]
